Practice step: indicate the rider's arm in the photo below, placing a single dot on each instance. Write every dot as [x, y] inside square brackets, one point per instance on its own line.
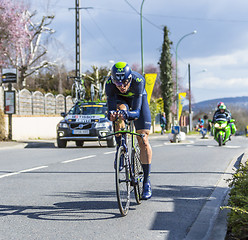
[138, 83]
[228, 115]
[111, 98]
[215, 114]
[137, 102]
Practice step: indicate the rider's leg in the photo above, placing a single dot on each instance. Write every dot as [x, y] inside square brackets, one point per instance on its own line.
[118, 125]
[143, 125]
[146, 159]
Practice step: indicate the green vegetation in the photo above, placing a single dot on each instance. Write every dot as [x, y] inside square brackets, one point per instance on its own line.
[2, 126]
[238, 203]
[166, 75]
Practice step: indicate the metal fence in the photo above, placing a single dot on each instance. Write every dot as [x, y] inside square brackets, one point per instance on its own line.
[37, 103]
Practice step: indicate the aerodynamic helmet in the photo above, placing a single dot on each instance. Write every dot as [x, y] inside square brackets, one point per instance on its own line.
[220, 104]
[121, 74]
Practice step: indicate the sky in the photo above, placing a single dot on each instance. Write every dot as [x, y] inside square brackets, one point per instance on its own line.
[110, 32]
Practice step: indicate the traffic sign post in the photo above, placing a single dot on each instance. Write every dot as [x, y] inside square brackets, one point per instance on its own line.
[9, 107]
[9, 76]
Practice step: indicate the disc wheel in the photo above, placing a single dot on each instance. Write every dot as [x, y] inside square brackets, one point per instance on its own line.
[138, 174]
[123, 185]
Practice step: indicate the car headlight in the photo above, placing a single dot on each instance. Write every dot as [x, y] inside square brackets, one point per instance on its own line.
[63, 125]
[102, 125]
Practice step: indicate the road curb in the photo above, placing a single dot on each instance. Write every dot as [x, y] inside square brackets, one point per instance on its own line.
[12, 145]
[207, 222]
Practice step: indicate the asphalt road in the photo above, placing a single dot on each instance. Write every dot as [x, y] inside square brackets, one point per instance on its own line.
[51, 193]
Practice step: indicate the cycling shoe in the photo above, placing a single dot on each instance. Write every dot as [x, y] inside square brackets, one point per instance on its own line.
[147, 191]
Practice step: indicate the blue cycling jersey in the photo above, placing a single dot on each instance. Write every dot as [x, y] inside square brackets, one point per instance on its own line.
[135, 98]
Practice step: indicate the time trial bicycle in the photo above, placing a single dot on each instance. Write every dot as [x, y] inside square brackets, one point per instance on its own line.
[129, 173]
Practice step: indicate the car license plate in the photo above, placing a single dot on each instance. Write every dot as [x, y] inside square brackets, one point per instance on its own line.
[80, 131]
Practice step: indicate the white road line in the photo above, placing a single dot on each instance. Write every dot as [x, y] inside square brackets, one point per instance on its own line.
[22, 171]
[159, 145]
[232, 146]
[78, 159]
[110, 152]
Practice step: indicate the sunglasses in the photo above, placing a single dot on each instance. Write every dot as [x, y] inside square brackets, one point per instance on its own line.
[122, 82]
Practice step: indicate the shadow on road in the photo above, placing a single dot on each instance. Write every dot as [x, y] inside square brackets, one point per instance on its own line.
[98, 208]
[40, 144]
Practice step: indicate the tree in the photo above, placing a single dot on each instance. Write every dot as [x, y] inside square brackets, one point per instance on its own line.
[12, 28]
[166, 74]
[22, 46]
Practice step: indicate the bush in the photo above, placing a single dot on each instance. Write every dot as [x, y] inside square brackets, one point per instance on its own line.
[238, 203]
[2, 126]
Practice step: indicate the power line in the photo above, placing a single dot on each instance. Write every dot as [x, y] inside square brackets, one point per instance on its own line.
[105, 37]
[153, 24]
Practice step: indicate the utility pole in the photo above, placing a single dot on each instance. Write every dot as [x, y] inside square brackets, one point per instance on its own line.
[78, 36]
[141, 34]
[190, 108]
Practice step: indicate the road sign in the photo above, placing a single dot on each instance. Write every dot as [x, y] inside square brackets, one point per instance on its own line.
[9, 75]
[175, 129]
[9, 102]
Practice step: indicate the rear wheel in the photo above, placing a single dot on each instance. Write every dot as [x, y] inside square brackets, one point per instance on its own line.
[61, 143]
[123, 186]
[138, 174]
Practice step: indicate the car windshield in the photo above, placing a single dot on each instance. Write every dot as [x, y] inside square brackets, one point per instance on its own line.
[88, 110]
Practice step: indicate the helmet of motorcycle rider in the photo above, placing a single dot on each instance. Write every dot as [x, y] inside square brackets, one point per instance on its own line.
[222, 107]
[121, 74]
[220, 104]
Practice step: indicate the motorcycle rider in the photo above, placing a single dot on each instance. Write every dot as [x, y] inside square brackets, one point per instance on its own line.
[200, 123]
[224, 112]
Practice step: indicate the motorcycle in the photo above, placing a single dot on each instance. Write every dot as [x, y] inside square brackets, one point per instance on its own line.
[221, 130]
[202, 130]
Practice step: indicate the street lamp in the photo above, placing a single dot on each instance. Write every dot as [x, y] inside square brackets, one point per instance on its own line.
[141, 33]
[194, 32]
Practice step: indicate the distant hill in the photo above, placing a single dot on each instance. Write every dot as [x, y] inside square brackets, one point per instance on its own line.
[232, 103]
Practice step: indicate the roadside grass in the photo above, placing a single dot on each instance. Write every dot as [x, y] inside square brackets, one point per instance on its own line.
[237, 221]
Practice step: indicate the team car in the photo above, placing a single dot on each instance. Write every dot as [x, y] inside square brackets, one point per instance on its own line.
[85, 121]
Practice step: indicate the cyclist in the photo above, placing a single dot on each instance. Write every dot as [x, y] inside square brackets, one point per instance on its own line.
[125, 90]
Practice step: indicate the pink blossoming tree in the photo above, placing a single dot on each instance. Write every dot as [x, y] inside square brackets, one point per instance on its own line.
[21, 39]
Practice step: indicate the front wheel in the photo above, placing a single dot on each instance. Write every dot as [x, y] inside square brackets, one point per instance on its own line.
[220, 140]
[61, 143]
[138, 174]
[122, 180]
